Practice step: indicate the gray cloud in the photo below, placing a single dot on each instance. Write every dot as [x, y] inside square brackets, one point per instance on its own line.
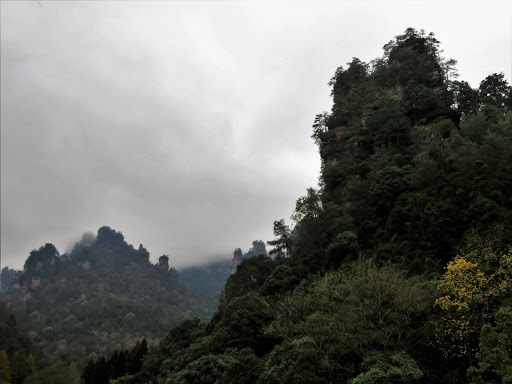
[186, 125]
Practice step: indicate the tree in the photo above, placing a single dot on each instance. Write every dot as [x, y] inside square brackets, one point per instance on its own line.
[467, 99]
[351, 313]
[207, 369]
[249, 276]
[136, 356]
[494, 357]
[282, 279]
[244, 368]
[117, 364]
[388, 123]
[383, 368]
[320, 127]
[296, 362]
[344, 247]
[231, 367]
[57, 373]
[162, 360]
[309, 206]
[242, 324]
[472, 284]
[283, 244]
[495, 91]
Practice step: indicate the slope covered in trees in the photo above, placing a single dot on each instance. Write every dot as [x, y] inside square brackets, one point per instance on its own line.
[103, 296]
[398, 268]
[17, 354]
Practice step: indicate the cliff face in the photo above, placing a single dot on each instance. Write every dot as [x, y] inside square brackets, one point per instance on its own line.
[258, 248]
[105, 287]
[236, 260]
[377, 107]
[163, 262]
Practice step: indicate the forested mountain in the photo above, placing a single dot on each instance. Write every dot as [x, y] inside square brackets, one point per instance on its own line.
[21, 361]
[103, 296]
[398, 269]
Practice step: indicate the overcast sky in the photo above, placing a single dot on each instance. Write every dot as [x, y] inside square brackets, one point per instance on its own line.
[186, 125]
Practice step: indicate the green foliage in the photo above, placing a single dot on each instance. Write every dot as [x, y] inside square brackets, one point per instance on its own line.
[494, 351]
[57, 373]
[136, 356]
[388, 124]
[121, 365]
[349, 314]
[299, 361]
[44, 260]
[231, 367]
[242, 324]
[308, 206]
[245, 367]
[495, 91]
[250, 275]
[161, 360]
[103, 297]
[408, 180]
[381, 368]
[282, 279]
[283, 243]
[466, 98]
[16, 345]
[344, 248]
[207, 369]
[472, 285]
[14, 338]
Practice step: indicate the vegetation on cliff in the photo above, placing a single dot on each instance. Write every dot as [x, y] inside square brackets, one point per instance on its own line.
[397, 269]
[103, 296]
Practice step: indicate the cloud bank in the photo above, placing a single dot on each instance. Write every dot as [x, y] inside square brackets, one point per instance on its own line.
[186, 126]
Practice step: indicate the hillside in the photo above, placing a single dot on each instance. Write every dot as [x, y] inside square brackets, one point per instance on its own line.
[398, 269]
[103, 296]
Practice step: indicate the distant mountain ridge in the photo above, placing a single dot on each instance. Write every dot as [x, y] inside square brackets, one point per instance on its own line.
[208, 280]
[102, 296]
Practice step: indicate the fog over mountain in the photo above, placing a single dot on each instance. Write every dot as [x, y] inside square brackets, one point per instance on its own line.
[186, 126]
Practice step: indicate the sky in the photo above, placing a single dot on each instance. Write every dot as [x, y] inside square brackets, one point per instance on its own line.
[186, 125]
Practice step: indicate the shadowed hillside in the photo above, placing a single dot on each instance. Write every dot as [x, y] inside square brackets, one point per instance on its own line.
[104, 295]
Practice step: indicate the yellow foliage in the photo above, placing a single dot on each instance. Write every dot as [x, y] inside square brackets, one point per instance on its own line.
[469, 293]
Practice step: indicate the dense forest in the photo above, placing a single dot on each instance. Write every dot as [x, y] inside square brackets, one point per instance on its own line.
[396, 269]
[102, 296]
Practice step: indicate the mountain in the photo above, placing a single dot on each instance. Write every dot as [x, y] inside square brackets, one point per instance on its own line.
[103, 296]
[399, 266]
